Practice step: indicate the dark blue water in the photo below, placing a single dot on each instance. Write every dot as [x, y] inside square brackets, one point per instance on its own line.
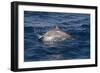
[38, 23]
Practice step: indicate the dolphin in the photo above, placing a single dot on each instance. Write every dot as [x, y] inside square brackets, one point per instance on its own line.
[55, 35]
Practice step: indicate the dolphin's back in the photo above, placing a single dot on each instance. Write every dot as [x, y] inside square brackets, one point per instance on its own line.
[55, 35]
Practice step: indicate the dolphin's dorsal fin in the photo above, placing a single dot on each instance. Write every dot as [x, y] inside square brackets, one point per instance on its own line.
[56, 27]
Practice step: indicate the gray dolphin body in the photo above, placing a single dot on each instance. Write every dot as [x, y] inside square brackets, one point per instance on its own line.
[55, 35]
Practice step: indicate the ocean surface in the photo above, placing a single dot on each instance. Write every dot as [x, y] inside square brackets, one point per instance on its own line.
[38, 23]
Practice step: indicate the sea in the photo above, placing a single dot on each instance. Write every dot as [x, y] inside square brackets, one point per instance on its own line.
[37, 23]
